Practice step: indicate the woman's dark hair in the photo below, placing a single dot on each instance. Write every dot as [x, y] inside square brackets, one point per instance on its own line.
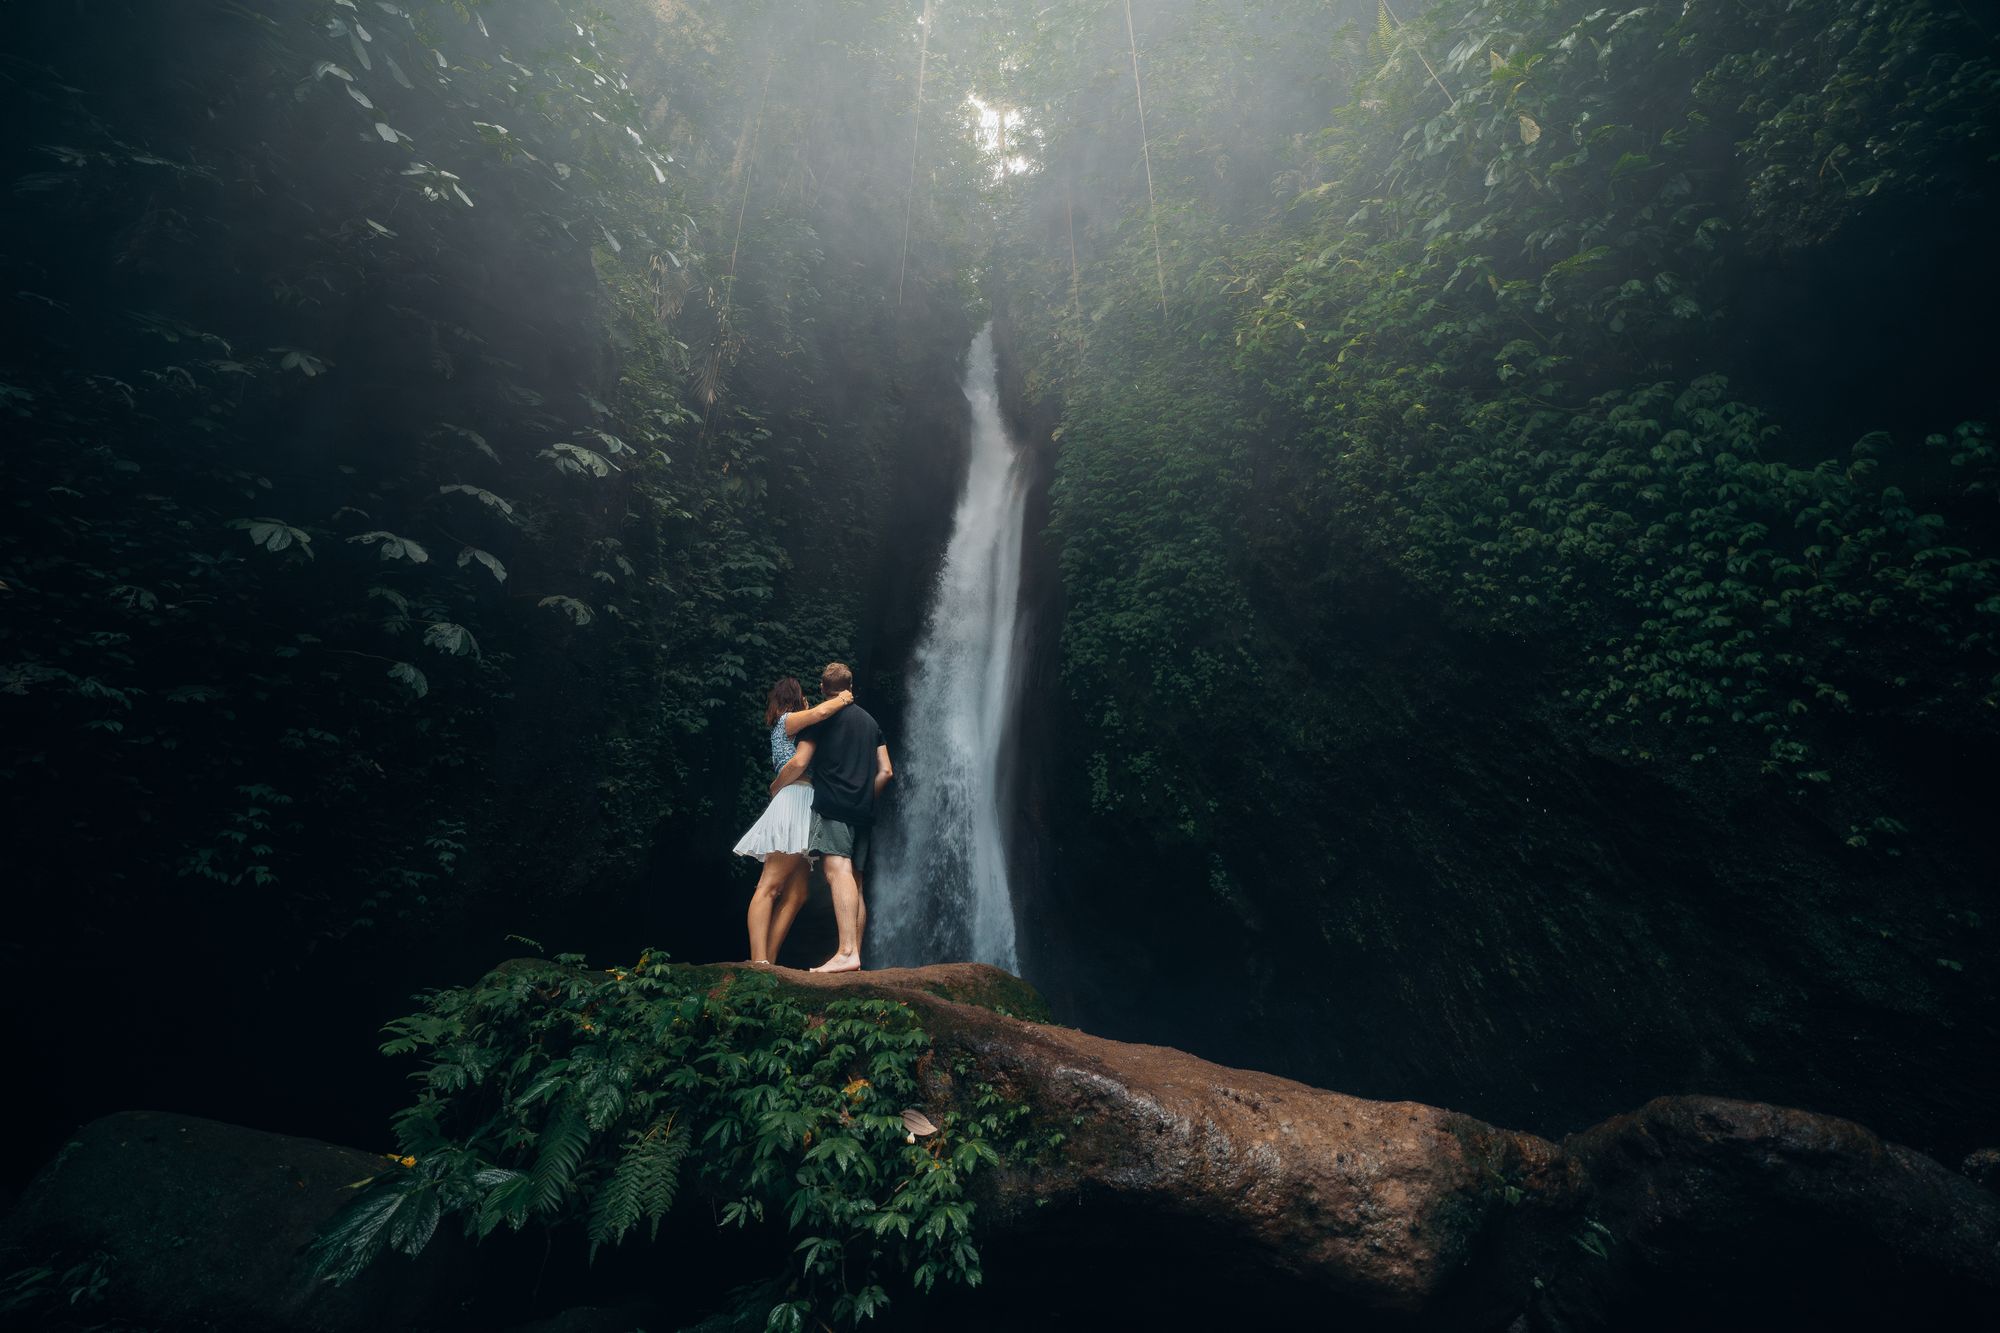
[785, 697]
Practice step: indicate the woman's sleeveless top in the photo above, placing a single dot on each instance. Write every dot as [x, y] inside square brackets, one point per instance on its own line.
[783, 747]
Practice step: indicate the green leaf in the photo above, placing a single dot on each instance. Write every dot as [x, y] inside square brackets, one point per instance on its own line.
[360, 1231]
[304, 362]
[483, 496]
[411, 677]
[578, 612]
[393, 547]
[274, 534]
[472, 437]
[486, 558]
[415, 1220]
[575, 458]
[450, 638]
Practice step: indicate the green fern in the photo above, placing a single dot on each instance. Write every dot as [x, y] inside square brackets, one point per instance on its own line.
[643, 1186]
[1385, 32]
[563, 1144]
[602, 1092]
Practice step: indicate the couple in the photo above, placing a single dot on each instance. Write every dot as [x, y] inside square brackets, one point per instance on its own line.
[832, 763]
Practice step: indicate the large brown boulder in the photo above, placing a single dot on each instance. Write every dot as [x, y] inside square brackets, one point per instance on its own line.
[1421, 1217]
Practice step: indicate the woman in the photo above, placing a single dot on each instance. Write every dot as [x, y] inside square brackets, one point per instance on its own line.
[778, 838]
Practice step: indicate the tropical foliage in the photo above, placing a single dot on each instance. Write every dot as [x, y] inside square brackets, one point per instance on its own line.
[432, 418]
[1485, 337]
[558, 1096]
[432, 425]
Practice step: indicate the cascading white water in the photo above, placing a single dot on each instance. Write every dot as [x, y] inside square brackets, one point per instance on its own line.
[939, 891]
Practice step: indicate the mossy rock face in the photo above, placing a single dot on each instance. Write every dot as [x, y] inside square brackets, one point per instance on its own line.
[975, 984]
[982, 987]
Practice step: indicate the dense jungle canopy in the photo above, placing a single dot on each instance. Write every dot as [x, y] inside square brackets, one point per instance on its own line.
[1513, 569]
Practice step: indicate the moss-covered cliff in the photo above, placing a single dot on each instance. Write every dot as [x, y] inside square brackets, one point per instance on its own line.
[1519, 591]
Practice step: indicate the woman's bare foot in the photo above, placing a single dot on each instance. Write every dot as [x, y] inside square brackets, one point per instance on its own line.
[841, 962]
[760, 962]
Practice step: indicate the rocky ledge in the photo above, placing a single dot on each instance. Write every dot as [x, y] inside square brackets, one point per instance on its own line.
[1182, 1185]
[1690, 1210]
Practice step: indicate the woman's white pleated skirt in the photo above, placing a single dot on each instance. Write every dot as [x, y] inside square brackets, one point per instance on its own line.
[784, 826]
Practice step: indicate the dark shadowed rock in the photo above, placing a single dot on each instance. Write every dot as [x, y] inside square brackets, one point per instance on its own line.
[201, 1224]
[1683, 1172]
[1694, 1194]
[1983, 1166]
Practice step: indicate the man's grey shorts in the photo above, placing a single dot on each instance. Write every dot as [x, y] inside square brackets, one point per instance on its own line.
[832, 837]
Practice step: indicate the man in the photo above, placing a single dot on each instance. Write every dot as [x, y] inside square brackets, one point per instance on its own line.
[849, 764]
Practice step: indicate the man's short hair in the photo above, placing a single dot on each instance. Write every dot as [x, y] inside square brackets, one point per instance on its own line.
[835, 678]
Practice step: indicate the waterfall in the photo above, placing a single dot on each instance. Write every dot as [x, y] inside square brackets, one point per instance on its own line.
[939, 892]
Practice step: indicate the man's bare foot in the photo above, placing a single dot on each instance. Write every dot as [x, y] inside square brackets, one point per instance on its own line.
[841, 962]
[760, 962]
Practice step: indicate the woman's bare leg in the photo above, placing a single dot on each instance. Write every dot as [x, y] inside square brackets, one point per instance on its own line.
[787, 910]
[763, 898]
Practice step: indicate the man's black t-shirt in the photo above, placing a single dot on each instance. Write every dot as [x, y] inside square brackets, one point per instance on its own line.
[843, 765]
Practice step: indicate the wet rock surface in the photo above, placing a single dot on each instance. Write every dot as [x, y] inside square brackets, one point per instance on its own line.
[1183, 1190]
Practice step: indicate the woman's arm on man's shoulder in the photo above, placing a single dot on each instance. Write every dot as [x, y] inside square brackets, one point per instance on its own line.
[812, 717]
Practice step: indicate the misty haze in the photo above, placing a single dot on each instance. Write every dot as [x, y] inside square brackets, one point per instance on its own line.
[817, 665]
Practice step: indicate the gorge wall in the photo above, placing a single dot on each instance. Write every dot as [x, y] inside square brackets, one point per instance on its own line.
[1344, 522]
[1487, 653]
